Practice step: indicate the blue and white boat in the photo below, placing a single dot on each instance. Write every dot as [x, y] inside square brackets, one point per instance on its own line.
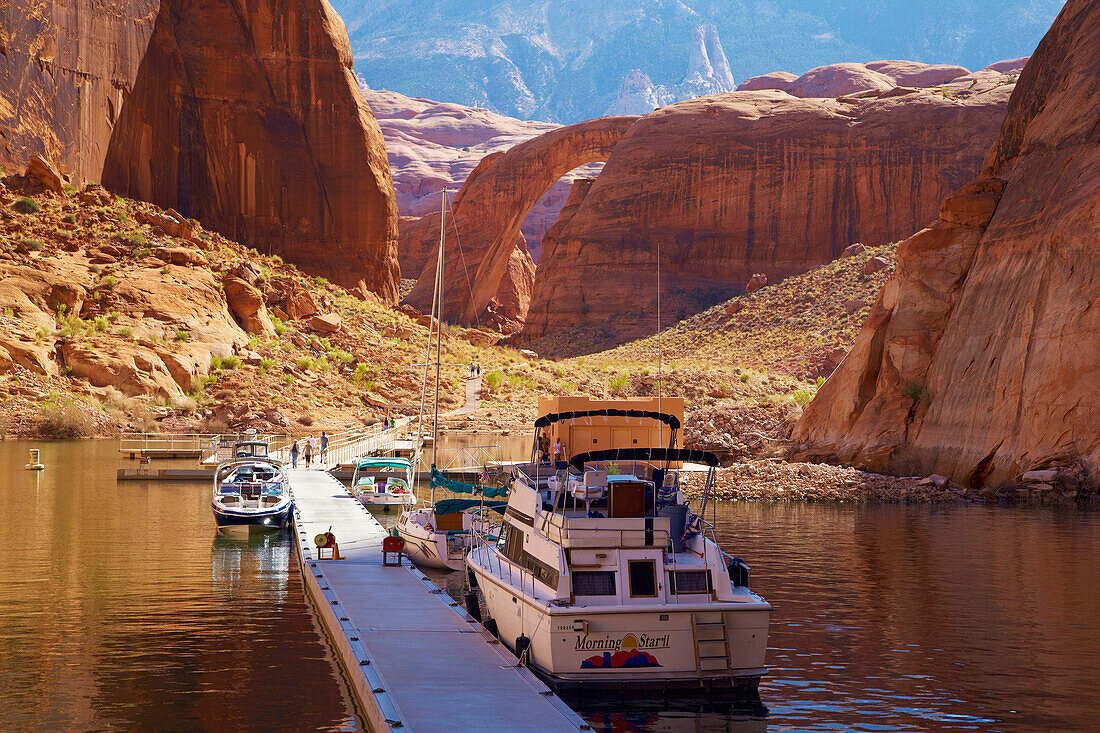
[251, 493]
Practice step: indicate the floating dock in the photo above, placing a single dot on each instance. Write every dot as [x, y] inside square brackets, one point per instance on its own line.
[414, 659]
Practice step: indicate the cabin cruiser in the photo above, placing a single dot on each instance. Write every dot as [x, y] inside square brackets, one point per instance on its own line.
[251, 493]
[601, 577]
[439, 535]
[383, 482]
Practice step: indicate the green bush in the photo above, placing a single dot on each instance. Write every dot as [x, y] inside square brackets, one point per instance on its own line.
[215, 363]
[802, 397]
[141, 252]
[917, 392]
[745, 378]
[231, 362]
[9, 312]
[288, 379]
[32, 244]
[618, 383]
[64, 419]
[126, 332]
[305, 363]
[365, 373]
[342, 356]
[109, 282]
[182, 335]
[321, 364]
[26, 205]
[280, 327]
[266, 364]
[69, 219]
[100, 323]
[494, 379]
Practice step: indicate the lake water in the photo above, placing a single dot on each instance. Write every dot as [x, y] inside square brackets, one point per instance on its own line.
[121, 608]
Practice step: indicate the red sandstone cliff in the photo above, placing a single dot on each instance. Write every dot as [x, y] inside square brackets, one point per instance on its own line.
[244, 115]
[979, 359]
[490, 281]
[755, 182]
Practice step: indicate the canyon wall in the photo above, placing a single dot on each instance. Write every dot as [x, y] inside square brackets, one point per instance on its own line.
[66, 69]
[489, 273]
[243, 114]
[979, 359]
[755, 182]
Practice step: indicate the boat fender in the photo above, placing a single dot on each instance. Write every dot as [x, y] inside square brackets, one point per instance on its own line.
[739, 572]
[473, 578]
[490, 625]
[523, 644]
[473, 607]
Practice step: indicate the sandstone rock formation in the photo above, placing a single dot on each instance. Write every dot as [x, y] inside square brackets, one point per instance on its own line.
[245, 115]
[838, 80]
[432, 145]
[490, 282]
[754, 182]
[979, 359]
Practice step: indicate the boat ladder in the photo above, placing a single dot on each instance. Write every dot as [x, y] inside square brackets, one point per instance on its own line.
[712, 646]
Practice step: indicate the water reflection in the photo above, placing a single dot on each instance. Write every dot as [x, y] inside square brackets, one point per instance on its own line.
[121, 609]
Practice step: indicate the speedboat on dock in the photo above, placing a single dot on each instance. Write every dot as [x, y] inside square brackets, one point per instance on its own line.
[602, 578]
[251, 493]
[383, 482]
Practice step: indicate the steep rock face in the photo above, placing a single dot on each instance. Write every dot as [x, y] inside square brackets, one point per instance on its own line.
[65, 71]
[248, 116]
[978, 361]
[490, 282]
[755, 182]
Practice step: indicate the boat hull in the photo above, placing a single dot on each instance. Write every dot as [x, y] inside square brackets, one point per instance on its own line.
[630, 649]
[266, 520]
[429, 548]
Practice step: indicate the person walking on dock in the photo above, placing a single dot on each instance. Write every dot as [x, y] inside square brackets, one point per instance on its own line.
[308, 450]
[294, 454]
[324, 447]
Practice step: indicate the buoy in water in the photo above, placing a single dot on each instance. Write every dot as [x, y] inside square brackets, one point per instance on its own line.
[35, 464]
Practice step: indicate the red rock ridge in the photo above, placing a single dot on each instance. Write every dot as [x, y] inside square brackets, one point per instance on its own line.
[979, 359]
[754, 182]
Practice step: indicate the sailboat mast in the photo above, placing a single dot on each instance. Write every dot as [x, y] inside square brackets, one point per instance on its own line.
[438, 328]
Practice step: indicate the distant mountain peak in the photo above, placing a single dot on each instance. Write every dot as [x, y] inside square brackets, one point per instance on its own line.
[708, 72]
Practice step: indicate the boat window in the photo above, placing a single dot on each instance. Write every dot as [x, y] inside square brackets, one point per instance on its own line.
[689, 581]
[513, 544]
[593, 583]
[643, 578]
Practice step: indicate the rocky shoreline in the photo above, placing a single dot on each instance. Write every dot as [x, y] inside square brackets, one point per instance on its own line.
[782, 481]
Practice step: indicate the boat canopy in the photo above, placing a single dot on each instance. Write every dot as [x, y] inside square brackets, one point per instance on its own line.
[546, 420]
[439, 481]
[453, 506]
[401, 463]
[644, 454]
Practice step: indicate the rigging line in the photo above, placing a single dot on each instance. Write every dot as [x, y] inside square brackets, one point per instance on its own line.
[660, 359]
[465, 270]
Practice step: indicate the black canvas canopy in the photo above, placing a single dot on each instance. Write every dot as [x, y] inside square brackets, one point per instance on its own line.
[644, 454]
[546, 420]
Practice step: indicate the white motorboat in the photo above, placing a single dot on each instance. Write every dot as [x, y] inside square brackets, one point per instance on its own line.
[383, 482]
[251, 493]
[602, 578]
[439, 535]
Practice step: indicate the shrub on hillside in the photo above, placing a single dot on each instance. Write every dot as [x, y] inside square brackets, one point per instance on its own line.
[26, 205]
[65, 420]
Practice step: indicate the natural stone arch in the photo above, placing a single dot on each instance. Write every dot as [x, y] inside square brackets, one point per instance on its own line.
[491, 281]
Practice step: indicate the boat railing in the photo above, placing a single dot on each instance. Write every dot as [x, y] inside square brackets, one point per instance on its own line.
[482, 539]
[468, 456]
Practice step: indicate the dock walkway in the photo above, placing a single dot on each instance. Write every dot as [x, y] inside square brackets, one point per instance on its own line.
[414, 659]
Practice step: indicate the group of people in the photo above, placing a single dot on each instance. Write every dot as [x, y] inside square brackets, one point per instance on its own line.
[546, 450]
[310, 447]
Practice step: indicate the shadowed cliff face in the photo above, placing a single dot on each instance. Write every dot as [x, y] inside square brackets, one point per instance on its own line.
[979, 360]
[243, 114]
[248, 117]
[754, 182]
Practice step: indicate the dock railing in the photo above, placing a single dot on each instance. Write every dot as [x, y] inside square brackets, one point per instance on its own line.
[164, 442]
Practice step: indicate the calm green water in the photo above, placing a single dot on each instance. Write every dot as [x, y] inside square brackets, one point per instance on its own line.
[121, 608]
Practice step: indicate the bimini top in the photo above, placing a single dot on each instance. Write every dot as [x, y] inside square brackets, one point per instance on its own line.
[403, 463]
[644, 454]
[671, 420]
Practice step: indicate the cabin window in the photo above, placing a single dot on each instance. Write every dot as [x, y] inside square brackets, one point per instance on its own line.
[593, 583]
[643, 578]
[513, 544]
[689, 581]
